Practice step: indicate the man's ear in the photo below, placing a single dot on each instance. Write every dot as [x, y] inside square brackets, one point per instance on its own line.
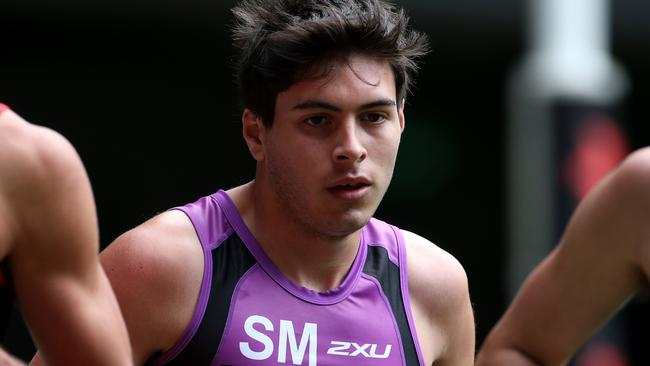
[253, 131]
[400, 111]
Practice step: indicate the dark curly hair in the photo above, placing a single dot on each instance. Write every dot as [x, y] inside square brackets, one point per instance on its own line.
[285, 41]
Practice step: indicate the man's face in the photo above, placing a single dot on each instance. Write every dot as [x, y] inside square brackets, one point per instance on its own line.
[330, 154]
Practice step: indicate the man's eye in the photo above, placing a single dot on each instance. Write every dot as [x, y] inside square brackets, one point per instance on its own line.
[316, 120]
[374, 117]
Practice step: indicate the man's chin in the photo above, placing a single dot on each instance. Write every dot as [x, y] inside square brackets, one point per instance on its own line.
[346, 226]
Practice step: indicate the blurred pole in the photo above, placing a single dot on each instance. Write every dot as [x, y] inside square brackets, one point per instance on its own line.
[568, 64]
[563, 134]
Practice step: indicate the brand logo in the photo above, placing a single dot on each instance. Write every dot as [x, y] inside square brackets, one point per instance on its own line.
[367, 350]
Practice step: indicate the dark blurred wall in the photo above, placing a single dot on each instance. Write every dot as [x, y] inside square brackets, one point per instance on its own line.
[144, 91]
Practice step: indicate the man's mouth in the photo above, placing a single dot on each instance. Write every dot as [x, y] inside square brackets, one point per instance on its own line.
[352, 188]
[348, 186]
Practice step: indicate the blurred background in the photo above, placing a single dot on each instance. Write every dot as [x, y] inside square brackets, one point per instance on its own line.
[144, 91]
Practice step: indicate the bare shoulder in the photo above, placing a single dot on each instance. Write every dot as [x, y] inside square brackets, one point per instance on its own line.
[440, 303]
[158, 257]
[639, 159]
[625, 189]
[45, 194]
[633, 175]
[616, 211]
[38, 165]
[435, 276]
[34, 152]
[627, 206]
[164, 246]
[156, 270]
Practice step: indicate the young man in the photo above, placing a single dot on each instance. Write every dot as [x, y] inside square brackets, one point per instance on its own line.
[48, 249]
[291, 268]
[601, 261]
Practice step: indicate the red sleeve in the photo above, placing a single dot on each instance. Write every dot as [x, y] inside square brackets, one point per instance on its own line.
[3, 108]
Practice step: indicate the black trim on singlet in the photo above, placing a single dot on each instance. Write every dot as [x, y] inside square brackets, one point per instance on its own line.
[379, 266]
[229, 263]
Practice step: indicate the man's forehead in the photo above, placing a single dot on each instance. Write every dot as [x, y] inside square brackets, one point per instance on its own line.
[352, 83]
[368, 69]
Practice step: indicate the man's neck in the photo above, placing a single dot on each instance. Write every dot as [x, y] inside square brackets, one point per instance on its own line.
[309, 259]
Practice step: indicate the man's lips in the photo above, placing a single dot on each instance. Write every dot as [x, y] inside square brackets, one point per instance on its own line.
[347, 187]
[349, 183]
[350, 188]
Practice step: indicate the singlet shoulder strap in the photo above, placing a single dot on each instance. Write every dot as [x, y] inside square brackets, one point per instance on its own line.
[226, 259]
[386, 262]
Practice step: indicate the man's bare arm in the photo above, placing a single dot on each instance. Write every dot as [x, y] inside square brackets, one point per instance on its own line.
[585, 280]
[156, 271]
[60, 286]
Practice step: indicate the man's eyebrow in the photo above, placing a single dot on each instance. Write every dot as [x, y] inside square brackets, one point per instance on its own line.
[379, 103]
[317, 104]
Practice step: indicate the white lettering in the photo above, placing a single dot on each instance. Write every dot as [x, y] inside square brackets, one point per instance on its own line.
[361, 350]
[308, 343]
[309, 337]
[245, 348]
[339, 348]
[373, 351]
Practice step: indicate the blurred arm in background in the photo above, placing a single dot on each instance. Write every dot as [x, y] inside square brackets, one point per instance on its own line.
[603, 258]
[49, 246]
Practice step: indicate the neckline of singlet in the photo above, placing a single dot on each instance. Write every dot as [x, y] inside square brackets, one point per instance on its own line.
[319, 298]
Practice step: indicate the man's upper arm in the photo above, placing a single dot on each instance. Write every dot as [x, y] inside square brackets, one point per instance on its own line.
[585, 279]
[438, 283]
[57, 276]
[156, 271]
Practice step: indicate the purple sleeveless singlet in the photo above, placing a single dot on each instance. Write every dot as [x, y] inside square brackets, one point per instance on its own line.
[249, 314]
